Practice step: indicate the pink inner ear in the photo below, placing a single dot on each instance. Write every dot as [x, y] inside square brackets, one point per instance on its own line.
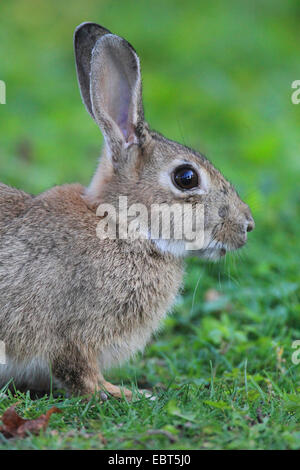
[122, 108]
[123, 122]
[115, 77]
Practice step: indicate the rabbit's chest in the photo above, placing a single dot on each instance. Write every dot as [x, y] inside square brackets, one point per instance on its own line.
[123, 348]
[137, 310]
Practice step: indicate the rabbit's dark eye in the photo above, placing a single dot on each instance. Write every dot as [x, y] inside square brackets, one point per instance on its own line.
[185, 177]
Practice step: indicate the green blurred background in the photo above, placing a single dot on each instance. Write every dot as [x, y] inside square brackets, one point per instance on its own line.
[217, 76]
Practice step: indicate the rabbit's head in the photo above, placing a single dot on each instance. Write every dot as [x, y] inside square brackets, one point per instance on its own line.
[145, 167]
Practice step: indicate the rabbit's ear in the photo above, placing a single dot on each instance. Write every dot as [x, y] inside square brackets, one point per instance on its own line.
[85, 38]
[116, 93]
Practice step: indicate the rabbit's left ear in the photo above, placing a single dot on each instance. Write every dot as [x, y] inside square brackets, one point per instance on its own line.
[116, 93]
[85, 38]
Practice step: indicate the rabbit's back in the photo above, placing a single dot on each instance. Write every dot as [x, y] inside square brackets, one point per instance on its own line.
[43, 241]
[13, 202]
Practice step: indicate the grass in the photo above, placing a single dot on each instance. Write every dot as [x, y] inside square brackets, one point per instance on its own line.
[217, 77]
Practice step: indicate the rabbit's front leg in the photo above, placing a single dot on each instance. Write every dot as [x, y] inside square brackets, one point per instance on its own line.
[77, 371]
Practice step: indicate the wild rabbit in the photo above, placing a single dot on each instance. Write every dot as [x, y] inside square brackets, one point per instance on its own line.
[72, 304]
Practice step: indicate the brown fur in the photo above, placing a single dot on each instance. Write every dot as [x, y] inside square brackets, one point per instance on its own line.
[74, 304]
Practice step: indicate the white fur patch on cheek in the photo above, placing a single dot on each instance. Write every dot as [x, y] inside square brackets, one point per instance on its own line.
[174, 247]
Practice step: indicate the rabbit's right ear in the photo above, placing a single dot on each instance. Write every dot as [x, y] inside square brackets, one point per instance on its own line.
[116, 94]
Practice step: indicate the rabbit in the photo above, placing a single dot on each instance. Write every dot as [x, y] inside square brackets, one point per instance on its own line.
[73, 304]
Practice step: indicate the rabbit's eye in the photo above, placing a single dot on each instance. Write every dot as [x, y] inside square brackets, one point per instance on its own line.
[185, 177]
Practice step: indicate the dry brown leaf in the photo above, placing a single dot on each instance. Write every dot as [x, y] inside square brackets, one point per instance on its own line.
[15, 426]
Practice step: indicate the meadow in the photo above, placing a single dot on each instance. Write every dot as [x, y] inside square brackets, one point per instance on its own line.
[217, 77]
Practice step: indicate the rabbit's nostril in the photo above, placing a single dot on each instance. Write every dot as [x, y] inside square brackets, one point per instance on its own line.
[250, 226]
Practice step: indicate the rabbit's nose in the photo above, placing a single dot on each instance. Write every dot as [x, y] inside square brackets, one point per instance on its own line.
[250, 226]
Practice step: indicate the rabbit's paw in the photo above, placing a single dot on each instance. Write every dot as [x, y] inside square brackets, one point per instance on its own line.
[116, 392]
